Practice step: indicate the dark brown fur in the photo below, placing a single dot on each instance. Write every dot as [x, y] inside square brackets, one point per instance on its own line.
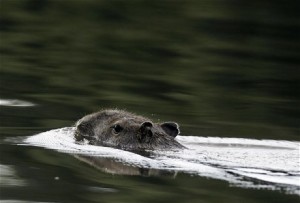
[121, 129]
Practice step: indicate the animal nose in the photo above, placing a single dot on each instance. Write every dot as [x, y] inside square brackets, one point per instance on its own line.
[83, 127]
[78, 122]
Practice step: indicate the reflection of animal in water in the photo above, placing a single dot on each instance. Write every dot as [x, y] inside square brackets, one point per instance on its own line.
[121, 129]
[272, 164]
[112, 166]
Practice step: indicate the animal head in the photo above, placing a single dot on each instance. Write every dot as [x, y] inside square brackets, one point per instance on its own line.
[121, 129]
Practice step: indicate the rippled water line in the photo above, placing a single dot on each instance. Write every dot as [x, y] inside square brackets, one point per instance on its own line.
[241, 162]
[15, 103]
[8, 177]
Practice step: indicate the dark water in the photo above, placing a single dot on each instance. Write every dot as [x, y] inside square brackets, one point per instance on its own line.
[218, 68]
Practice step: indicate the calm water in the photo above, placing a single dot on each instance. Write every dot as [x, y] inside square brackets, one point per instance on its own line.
[220, 69]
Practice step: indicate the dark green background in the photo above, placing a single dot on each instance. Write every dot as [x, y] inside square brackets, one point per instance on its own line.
[218, 68]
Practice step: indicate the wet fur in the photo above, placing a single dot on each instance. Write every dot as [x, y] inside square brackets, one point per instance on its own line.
[97, 128]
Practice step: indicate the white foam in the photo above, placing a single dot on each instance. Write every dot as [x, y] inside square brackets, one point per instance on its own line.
[277, 163]
[15, 103]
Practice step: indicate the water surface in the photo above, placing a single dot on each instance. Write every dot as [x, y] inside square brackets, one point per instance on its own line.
[267, 164]
[221, 69]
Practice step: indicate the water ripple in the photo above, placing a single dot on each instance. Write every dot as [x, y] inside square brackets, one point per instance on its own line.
[250, 163]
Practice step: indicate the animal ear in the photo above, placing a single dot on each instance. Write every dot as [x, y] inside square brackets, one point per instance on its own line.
[146, 124]
[146, 132]
[171, 128]
[146, 128]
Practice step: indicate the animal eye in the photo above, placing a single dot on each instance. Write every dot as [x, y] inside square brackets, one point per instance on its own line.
[117, 129]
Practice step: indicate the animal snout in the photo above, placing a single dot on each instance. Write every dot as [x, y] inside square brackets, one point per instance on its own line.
[83, 127]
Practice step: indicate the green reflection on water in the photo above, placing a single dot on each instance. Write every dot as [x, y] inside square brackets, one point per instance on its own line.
[219, 68]
[56, 177]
